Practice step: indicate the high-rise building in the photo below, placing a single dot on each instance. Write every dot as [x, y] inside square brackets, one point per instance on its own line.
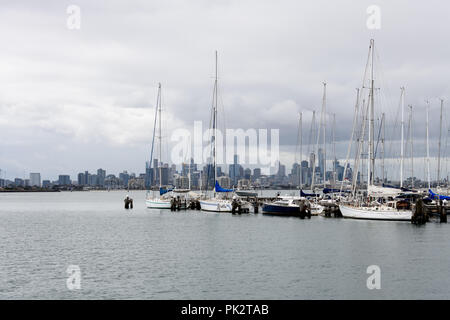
[86, 178]
[93, 181]
[81, 179]
[19, 182]
[35, 179]
[281, 170]
[101, 175]
[148, 175]
[247, 173]
[124, 177]
[46, 184]
[312, 160]
[256, 173]
[165, 175]
[321, 163]
[64, 180]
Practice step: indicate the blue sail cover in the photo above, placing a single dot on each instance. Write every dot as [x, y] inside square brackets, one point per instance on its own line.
[303, 194]
[163, 191]
[220, 189]
[437, 196]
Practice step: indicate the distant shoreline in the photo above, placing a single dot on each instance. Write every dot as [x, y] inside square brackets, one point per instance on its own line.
[17, 190]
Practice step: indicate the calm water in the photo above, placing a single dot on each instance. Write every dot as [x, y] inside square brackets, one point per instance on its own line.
[152, 254]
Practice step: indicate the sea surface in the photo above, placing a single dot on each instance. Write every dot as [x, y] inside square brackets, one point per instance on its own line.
[156, 254]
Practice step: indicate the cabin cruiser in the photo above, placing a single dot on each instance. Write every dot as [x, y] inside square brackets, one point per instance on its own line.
[285, 206]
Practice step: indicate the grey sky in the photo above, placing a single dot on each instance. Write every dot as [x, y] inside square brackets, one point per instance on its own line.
[75, 100]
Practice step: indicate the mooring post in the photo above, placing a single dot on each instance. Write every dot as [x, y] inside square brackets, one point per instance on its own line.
[442, 212]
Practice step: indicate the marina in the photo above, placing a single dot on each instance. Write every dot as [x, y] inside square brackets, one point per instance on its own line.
[145, 253]
[225, 150]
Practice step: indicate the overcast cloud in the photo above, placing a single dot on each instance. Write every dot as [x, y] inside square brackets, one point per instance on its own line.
[75, 100]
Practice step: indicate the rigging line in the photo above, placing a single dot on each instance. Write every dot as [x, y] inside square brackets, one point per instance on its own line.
[298, 141]
[355, 119]
[365, 112]
[378, 137]
[153, 139]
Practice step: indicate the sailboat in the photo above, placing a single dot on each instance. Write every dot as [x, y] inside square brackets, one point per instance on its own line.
[382, 204]
[219, 202]
[163, 201]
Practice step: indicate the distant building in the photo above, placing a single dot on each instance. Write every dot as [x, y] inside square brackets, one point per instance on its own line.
[86, 178]
[182, 182]
[81, 179]
[224, 182]
[149, 175]
[247, 173]
[124, 177]
[256, 173]
[64, 180]
[19, 182]
[35, 179]
[46, 184]
[243, 183]
[136, 183]
[101, 175]
[93, 180]
[165, 175]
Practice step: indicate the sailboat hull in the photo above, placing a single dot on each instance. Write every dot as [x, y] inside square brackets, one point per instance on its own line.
[216, 205]
[373, 214]
[157, 204]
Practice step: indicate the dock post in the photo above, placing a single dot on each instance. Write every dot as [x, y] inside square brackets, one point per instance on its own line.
[442, 212]
[419, 214]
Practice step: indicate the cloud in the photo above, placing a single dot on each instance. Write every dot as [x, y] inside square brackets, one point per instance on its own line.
[94, 89]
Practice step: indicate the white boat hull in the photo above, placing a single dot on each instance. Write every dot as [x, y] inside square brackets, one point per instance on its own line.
[157, 204]
[216, 205]
[370, 213]
[316, 209]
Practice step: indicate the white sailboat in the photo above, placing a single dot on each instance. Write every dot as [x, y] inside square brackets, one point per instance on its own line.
[163, 201]
[216, 203]
[382, 206]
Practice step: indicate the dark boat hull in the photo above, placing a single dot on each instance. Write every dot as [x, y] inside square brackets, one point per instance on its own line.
[280, 210]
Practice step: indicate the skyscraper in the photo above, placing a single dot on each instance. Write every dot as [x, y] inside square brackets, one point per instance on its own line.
[64, 180]
[101, 175]
[35, 179]
[81, 179]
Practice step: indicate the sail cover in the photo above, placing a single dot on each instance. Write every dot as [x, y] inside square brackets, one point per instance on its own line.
[437, 196]
[220, 189]
[377, 191]
[163, 191]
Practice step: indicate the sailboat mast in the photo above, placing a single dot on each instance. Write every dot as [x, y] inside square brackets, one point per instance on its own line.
[215, 123]
[160, 137]
[411, 143]
[355, 121]
[428, 148]
[324, 142]
[334, 150]
[301, 150]
[320, 130]
[190, 164]
[371, 171]
[402, 105]
[439, 150]
[311, 140]
[383, 119]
